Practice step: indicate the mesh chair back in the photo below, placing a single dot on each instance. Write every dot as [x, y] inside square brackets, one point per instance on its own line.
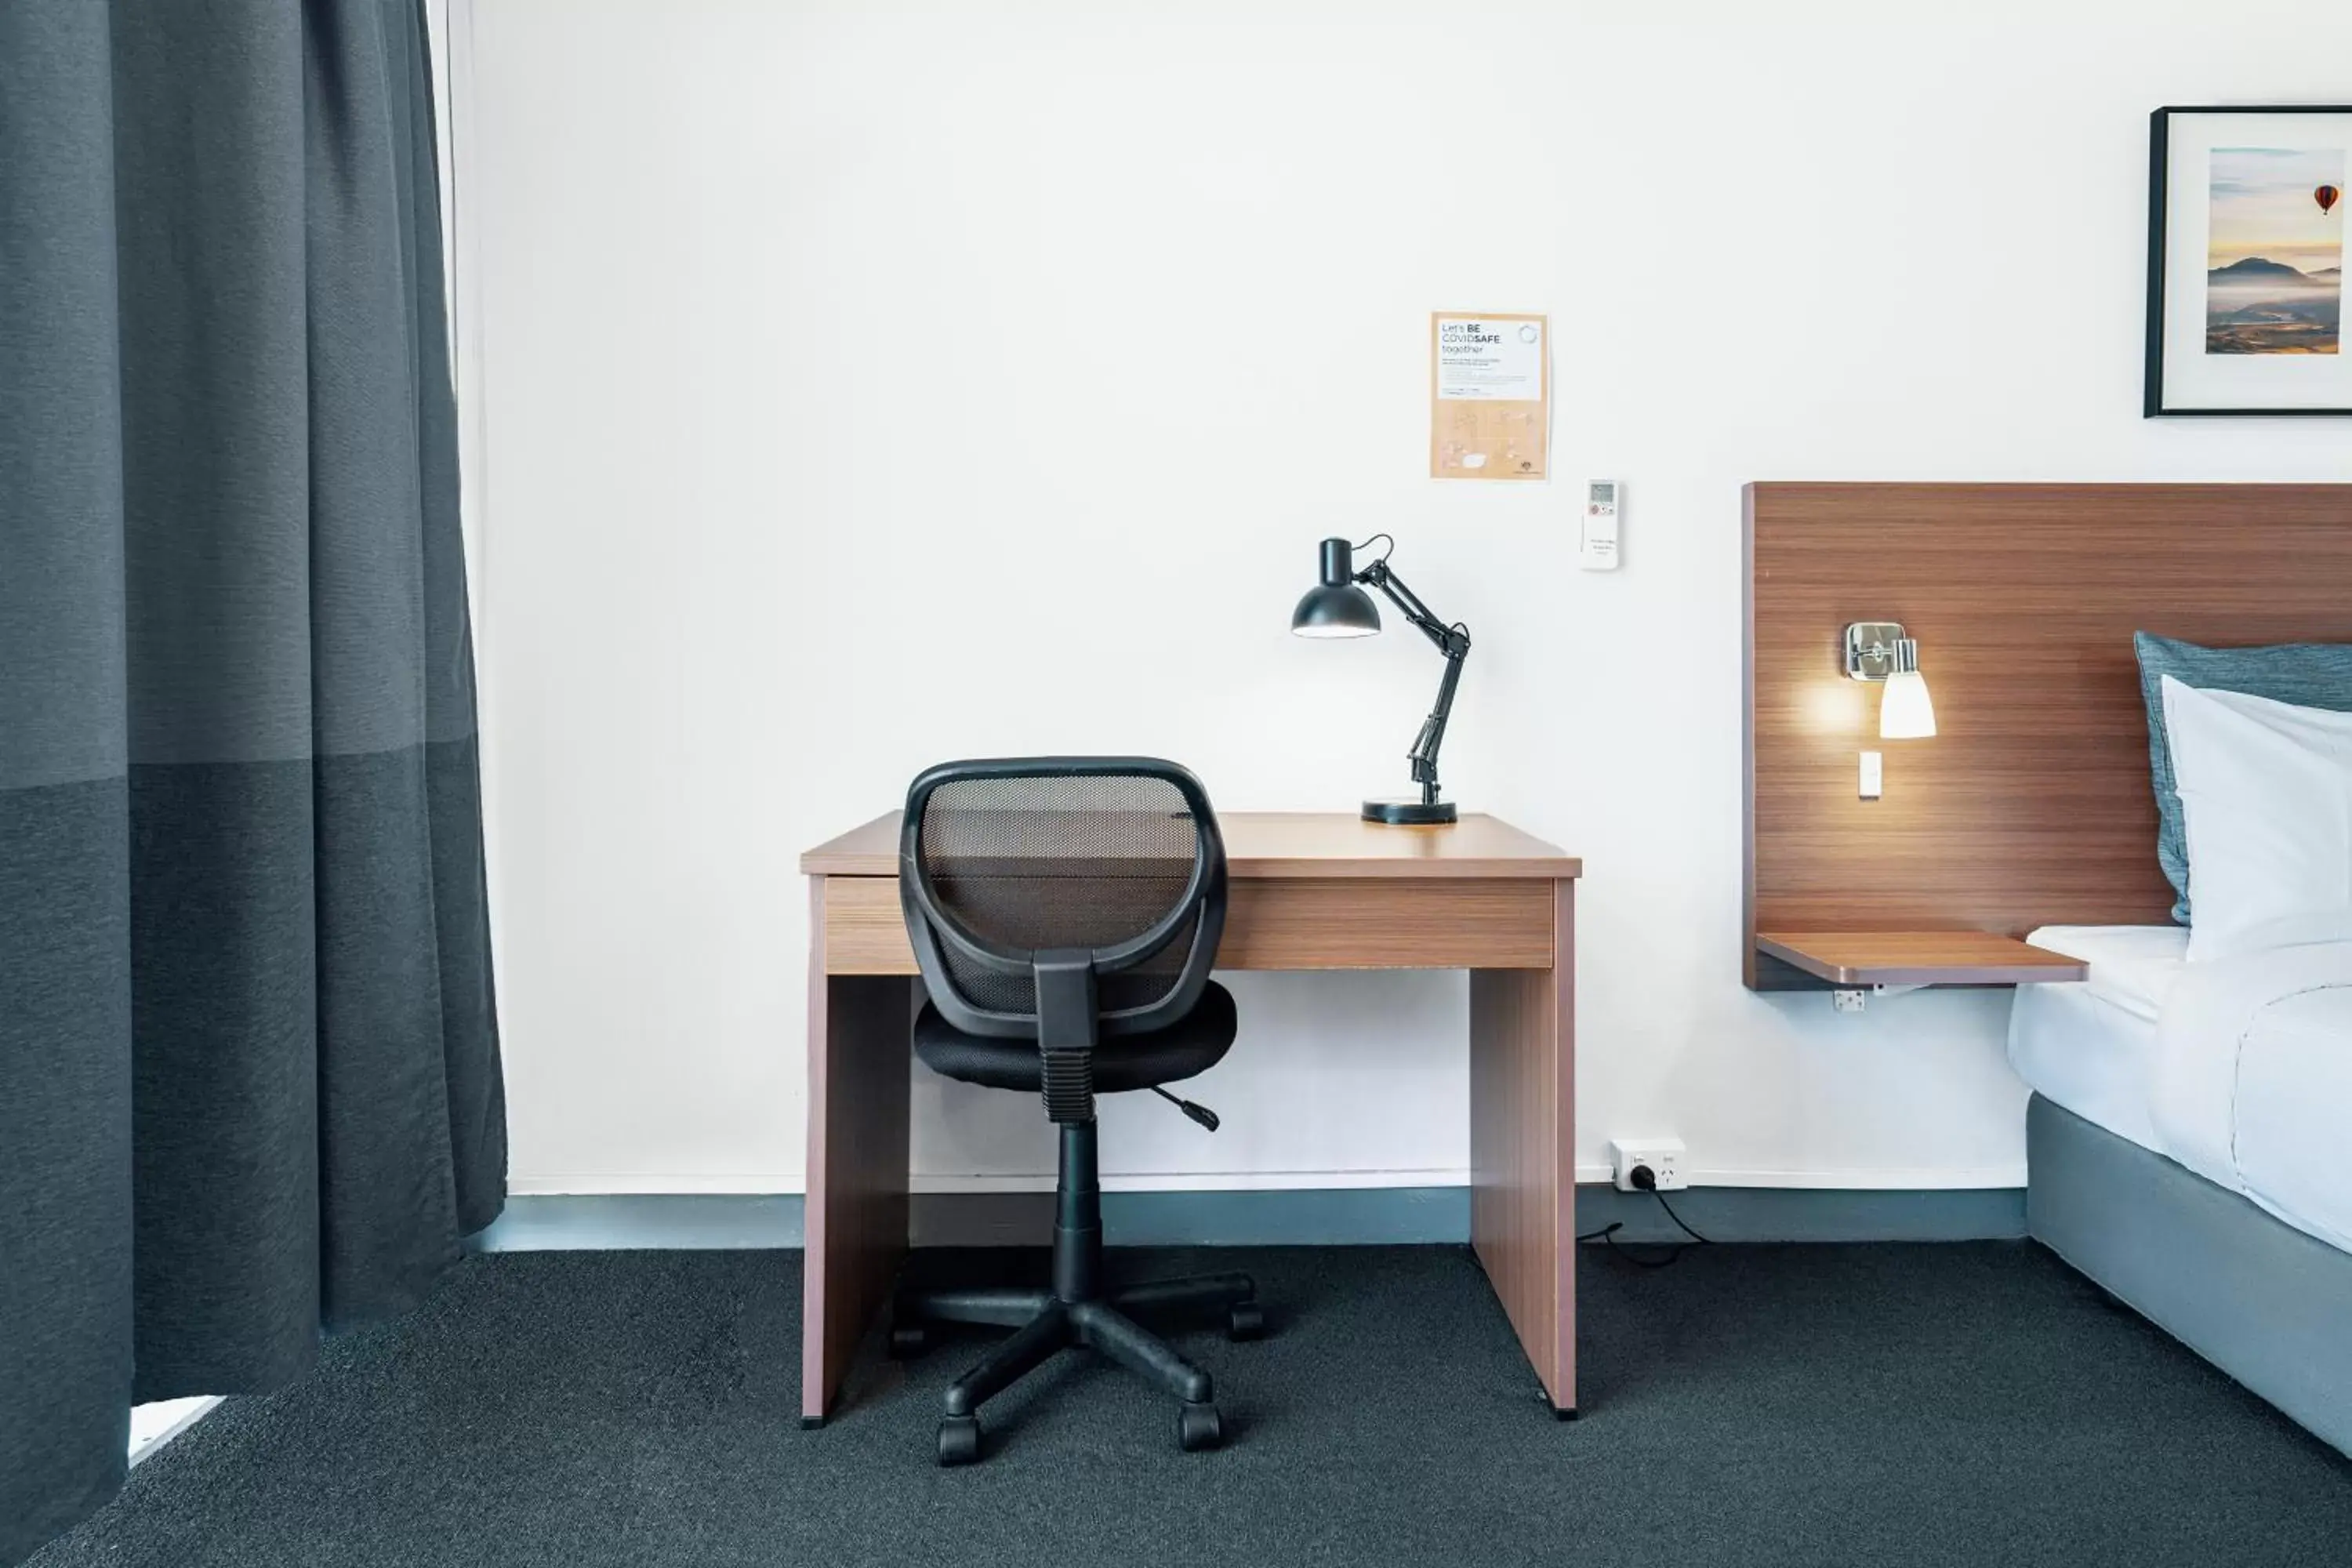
[1121, 857]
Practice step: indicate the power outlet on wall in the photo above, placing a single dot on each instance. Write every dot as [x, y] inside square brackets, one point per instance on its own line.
[1662, 1156]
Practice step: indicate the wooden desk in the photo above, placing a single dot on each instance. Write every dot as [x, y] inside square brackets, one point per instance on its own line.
[1308, 891]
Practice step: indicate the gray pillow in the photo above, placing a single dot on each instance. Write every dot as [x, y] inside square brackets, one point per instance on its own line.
[2308, 674]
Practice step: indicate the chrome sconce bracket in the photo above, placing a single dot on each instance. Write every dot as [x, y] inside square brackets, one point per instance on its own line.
[1877, 650]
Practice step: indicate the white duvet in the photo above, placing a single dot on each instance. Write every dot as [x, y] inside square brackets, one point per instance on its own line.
[2251, 1087]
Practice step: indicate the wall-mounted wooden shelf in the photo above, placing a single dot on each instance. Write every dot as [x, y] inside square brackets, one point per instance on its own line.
[1918, 958]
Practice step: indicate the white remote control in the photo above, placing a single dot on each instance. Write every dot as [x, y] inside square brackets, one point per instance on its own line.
[1599, 551]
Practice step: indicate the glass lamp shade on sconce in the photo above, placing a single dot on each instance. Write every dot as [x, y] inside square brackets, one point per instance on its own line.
[1905, 711]
[1878, 651]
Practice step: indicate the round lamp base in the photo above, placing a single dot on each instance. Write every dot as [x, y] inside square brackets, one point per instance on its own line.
[1409, 812]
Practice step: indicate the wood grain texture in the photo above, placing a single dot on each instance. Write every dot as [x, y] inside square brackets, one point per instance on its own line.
[858, 1106]
[1919, 958]
[1321, 844]
[865, 928]
[2033, 805]
[1409, 922]
[1279, 922]
[1522, 1156]
[1307, 892]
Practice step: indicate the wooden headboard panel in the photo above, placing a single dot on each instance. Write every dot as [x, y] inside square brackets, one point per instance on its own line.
[2031, 805]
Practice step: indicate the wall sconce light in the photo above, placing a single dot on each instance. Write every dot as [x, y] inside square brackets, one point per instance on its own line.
[1878, 651]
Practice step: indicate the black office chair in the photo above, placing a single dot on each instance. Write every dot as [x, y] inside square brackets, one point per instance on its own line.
[1064, 913]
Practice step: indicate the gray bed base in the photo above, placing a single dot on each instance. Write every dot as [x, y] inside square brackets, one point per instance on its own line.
[2264, 1301]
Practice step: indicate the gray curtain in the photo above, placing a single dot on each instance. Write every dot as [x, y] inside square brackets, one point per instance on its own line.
[249, 1081]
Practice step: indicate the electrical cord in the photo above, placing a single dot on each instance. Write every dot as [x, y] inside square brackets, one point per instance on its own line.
[1678, 1219]
[1607, 1236]
[1368, 544]
[1644, 1180]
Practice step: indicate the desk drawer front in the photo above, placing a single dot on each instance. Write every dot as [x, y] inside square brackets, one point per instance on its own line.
[1404, 923]
[1341, 922]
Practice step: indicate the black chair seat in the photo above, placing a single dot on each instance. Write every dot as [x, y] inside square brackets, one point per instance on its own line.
[1188, 1047]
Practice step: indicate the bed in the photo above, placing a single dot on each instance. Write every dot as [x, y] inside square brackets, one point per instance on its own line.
[2188, 1136]
[2190, 1150]
[2189, 1130]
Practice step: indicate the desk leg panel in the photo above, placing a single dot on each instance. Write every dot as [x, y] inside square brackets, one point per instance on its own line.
[1522, 1148]
[858, 1089]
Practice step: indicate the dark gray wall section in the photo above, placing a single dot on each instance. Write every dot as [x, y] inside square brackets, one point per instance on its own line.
[2259, 1298]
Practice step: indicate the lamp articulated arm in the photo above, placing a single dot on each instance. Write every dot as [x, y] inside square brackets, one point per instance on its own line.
[1453, 642]
[1337, 606]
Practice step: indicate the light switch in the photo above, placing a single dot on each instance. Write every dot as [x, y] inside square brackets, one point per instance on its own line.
[1873, 775]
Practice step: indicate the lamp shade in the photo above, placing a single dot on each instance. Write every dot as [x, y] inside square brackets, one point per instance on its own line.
[1346, 611]
[1334, 606]
[1906, 712]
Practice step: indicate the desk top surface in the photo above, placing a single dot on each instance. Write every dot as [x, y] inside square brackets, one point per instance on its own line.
[1287, 844]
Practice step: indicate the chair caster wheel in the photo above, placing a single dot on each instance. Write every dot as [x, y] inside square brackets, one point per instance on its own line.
[1244, 1321]
[1198, 1427]
[959, 1440]
[908, 1341]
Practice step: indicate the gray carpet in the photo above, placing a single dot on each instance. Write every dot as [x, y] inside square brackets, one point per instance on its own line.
[1885, 1405]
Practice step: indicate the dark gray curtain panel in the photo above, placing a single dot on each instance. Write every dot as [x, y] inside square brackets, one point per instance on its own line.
[249, 1081]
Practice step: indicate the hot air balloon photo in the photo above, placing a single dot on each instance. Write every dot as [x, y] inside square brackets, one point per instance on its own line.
[2246, 242]
[2275, 252]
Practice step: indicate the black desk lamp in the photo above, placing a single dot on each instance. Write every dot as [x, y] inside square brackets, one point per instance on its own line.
[1335, 607]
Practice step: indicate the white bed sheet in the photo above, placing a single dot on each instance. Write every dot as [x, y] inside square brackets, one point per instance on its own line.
[2239, 1068]
[2293, 1104]
[2132, 966]
[2085, 1052]
[2091, 1046]
[2253, 1082]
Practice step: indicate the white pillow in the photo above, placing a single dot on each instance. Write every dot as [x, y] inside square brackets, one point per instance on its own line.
[2266, 792]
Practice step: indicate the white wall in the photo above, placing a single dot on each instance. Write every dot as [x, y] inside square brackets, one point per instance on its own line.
[859, 385]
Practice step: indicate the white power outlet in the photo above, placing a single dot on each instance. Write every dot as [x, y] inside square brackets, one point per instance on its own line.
[1664, 1156]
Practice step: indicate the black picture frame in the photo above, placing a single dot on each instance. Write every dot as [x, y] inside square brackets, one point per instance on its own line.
[2160, 167]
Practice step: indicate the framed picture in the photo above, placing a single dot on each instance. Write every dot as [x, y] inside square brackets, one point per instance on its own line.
[2245, 260]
